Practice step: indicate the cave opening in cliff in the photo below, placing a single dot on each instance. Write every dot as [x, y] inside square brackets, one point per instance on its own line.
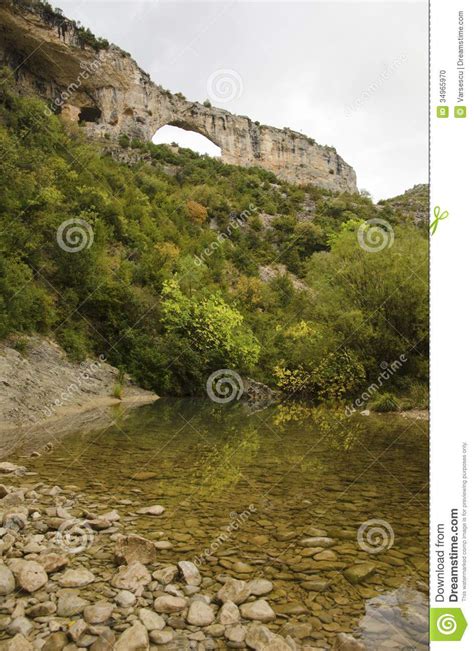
[90, 114]
[171, 135]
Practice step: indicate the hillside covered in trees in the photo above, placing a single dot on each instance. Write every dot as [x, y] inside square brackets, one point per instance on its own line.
[181, 265]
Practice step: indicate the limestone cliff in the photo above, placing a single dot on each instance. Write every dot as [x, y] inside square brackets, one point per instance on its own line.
[105, 90]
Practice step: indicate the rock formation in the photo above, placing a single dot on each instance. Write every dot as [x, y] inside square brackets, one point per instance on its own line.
[103, 88]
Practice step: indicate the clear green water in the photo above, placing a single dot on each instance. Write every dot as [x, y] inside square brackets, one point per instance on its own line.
[290, 470]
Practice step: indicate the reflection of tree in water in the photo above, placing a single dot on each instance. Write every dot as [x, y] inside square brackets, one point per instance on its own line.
[222, 466]
[330, 426]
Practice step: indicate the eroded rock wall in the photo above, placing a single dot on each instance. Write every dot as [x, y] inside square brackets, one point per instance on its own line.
[109, 94]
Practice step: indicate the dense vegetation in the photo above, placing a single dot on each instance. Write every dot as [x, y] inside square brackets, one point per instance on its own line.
[180, 278]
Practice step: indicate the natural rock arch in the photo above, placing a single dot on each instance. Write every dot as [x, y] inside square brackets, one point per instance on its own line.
[115, 97]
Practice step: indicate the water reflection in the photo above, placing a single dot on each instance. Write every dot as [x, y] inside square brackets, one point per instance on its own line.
[309, 472]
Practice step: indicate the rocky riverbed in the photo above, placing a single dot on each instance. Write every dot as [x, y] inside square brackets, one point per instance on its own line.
[72, 578]
[74, 574]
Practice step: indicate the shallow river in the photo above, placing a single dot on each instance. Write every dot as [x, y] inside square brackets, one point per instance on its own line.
[244, 492]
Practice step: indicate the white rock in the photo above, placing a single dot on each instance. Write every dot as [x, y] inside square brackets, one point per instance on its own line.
[259, 587]
[262, 639]
[190, 573]
[76, 578]
[229, 614]
[31, 576]
[200, 614]
[134, 638]
[17, 643]
[236, 634]
[151, 510]
[100, 612]
[131, 577]
[235, 591]
[7, 580]
[125, 598]
[162, 637]
[259, 610]
[150, 620]
[169, 604]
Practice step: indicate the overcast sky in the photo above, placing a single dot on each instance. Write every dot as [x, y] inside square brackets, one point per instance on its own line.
[349, 74]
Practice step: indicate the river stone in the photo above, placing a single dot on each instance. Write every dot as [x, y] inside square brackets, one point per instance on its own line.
[166, 574]
[163, 637]
[125, 598]
[297, 630]
[55, 642]
[19, 625]
[134, 548]
[134, 638]
[111, 516]
[77, 578]
[236, 634]
[190, 573]
[70, 603]
[315, 585]
[262, 639]
[200, 614]
[77, 630]
[152, 510]
[169, 604]
[105, 642]
[7, 580]
[7, 468]
[229, 614]
[326, 555]
[242, 568]
[31, 576]
[259, 610]
[317, 541]
[143, 475]
[235, 591]
[345, 642]
[259, 587]
[357, 573]
[98, 613]
[150, 620]
[17, 643]
[52, 562]
[131, 577]
[42, 609]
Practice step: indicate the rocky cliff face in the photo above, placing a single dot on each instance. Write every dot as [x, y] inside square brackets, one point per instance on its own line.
[105, 90]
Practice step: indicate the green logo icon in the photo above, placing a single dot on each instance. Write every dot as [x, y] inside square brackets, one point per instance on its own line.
[460, 111]
[446, 624]
[442, 111]
[438, 217]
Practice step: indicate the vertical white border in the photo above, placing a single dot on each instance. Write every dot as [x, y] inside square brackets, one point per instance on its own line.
[452, 310]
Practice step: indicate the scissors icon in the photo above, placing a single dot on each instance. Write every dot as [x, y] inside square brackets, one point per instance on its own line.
[438, 217]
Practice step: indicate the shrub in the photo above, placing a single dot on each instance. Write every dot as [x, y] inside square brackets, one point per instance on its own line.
[384, 402]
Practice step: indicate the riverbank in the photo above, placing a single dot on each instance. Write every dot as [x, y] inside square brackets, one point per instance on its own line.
[40, 386]
[75, 575]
